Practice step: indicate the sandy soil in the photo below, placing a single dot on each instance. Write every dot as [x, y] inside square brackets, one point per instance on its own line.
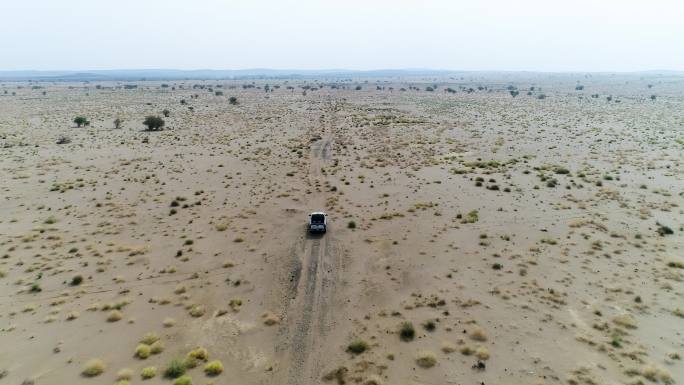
[513, 239]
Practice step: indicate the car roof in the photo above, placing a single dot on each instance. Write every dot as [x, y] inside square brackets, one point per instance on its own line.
[317, 212]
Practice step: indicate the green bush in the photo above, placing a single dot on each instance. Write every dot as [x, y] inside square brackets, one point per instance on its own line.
[81, 121]
[154, 123]
[357, 346]
[214, 368]
[175, 369]
[406, 331]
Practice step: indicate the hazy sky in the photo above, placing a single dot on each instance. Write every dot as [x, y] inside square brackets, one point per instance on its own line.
[549, 35]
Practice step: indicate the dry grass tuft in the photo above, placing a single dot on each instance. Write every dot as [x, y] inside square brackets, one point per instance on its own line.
[374, 379]
[93, 368]
[183, 380]
[213, 368]
[270, 319]
[197, 311]
[426, 359]
[149, 338]
[482, 353]
[148, 372]
[124, 374]
[114, 316]
[143, 351]
[199, 353]
[478, 334]
[448, 347]
[625, 321]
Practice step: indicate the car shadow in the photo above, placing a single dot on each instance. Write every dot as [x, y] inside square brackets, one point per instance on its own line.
[310, 235]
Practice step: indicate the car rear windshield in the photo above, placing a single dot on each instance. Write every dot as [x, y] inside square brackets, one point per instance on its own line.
[317, 218]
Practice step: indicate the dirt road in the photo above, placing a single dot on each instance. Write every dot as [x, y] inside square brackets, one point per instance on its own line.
[314, 281]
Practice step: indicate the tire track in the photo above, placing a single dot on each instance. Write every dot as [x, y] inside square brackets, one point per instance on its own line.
[314, 280]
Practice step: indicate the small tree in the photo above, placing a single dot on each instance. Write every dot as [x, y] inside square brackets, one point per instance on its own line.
[233, 100]
[166, 113]
[653, 97]
[514, 93]
[154, 123]
[81, 121]
[117, 123]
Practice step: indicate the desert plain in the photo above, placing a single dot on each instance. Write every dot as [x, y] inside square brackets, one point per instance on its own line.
[484, 228]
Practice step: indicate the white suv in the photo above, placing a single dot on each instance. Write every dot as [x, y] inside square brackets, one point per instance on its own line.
[318, 222]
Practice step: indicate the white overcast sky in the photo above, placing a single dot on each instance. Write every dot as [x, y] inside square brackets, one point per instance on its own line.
[539, 35]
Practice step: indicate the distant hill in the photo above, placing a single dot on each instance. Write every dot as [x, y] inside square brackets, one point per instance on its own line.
[171, 74]
[265, 73]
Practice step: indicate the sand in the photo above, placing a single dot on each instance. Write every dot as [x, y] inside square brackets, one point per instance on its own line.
[525, 239]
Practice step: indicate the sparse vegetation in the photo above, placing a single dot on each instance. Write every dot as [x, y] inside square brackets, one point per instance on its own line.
[93, 368]
[81, 121]
[154, 123]
[357, 346]
[426, 359]
[406, 331]
[174, 369]
[213, 368]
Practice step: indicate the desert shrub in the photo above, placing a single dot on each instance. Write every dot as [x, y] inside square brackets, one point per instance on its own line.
[357, 346]
[154, 123]
[166, 113]
[478, 334]
[143, 351]
[676, 264]
[197, 311]
[664, 230]
[213, 368]
[124, 374]
[199, 353]
[190, 362]
[148, 372]
[117, 123]
[482, 353]
[93, 367]
[406, 331]
[149, 338]
[157, 347]
[430, 325]
[76, 280]
[426, 359]
[351, 225]
[175, 369]
[114, 316]
[183, 380]
[233, 100]
[81, 121]
[448, 347]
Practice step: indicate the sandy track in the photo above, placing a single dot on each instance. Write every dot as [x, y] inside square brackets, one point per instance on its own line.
[315, 280]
